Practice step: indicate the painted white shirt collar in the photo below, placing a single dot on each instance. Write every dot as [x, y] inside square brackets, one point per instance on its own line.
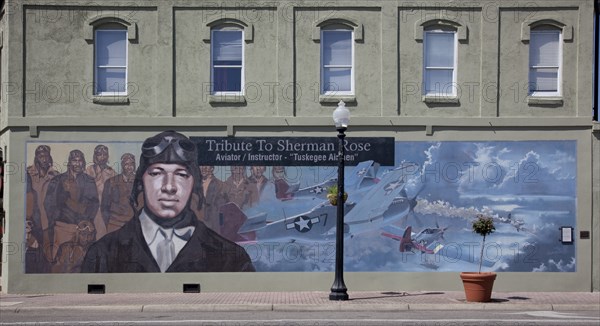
[152, 235]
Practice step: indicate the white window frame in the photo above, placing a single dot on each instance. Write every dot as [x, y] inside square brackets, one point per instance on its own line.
[96, 66]
[337, 29]
[546, 29]
[213, 66]
[454, 68]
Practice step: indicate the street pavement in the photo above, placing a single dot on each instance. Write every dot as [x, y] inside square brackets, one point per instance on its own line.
[297, 301]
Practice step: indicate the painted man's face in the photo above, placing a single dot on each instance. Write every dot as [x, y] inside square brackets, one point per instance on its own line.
[101, 157]
[167, 189]
[238, 170]
[43, 158]
[77, 164]
[258, 171]
[128, 167]
[278, 172]
[206, 170]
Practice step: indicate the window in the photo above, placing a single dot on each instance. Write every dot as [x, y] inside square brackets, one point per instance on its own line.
[439, 66]
[110, 49]
[227, 60]
[544, 61]
[337, 60]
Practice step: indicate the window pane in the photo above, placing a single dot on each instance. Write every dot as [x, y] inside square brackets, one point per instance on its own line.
[227, 47]
[111, 48]
[544, 48]
[337, 80]
[337, 48]
[544, 80]
[439, 49]
[110, 80]
[438, 82]
[227, 79]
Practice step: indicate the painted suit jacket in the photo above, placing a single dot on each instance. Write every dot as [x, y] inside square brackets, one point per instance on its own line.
[115, 199]
[243, 194]
[71, 200]
[126, 251]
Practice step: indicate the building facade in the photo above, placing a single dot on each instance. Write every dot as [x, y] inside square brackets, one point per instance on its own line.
[487, 106]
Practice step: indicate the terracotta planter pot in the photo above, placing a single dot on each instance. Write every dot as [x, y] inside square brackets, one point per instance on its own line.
[478, 286]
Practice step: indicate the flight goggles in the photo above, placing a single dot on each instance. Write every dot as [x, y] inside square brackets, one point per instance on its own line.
[85, 226]
[183, 147]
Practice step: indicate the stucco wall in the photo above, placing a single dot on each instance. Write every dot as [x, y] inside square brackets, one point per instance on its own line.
[514, 63]
[471, 59]
[367, 52]
[192, 63]
[48, 67]
[59, 63]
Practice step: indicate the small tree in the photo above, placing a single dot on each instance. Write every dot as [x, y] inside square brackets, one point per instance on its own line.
[483, 225]
[332, 194]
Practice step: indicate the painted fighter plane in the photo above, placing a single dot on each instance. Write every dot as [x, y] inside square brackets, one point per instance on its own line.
[382, 204]
[429, 242]
[426, 241]
[517, 224]
[363, 175]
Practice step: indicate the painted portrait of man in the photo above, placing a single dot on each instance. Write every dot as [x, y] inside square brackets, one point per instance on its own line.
[70, 199]
[165, 235]
[115, 207]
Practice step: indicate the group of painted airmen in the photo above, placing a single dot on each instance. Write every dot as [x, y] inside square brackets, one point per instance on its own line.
[163, 216]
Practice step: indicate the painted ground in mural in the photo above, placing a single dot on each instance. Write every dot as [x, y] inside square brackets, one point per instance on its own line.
[414, 216]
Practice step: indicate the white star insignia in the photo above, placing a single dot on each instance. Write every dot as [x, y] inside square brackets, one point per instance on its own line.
[318, 190]
[391, 186]
[302, 223]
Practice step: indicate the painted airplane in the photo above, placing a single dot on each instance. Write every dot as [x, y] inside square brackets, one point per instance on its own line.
[383, 203]
[426, 241]
[356, 183]
[517, 224]
[429, 242]
[363, 175]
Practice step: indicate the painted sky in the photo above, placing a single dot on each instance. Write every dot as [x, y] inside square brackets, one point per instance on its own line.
[533, 181]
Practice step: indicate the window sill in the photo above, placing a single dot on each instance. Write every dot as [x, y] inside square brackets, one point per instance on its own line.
[441, 99]
[545, 100]
[110, 99]
[227, 98]
[337, 98]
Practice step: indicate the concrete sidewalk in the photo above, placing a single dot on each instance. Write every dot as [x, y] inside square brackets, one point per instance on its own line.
[298, 301]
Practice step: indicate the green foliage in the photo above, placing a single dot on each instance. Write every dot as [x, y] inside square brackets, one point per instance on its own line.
[332, 190]
[483, 225]
[332, 195]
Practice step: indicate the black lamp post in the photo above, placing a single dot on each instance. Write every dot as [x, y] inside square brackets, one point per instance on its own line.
[341, 117]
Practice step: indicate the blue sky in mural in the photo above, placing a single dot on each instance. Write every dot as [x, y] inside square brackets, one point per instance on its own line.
[528, 187]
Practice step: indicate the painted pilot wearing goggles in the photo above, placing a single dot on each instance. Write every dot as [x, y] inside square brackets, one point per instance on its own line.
[165, 235]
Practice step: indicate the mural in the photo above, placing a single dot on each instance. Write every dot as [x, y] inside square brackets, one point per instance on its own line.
[414, 215]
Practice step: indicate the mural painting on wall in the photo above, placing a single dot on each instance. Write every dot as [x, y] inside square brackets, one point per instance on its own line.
[175, 204]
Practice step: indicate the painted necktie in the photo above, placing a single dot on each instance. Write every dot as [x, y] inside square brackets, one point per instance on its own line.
[165, 253]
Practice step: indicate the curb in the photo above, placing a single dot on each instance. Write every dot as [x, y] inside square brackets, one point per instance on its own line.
[305, 307]
[342, 307]
[587, 307]
[113, 308]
